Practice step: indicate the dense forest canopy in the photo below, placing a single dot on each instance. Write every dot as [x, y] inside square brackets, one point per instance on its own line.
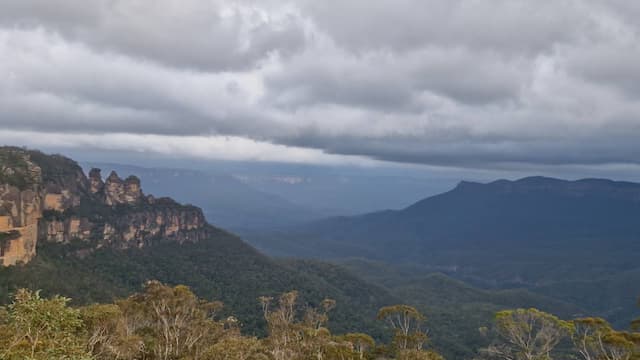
[171, 323]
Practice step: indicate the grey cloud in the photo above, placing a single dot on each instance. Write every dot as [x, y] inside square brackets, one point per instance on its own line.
[479, 154]
[345, 80]
[203, 35]
[397, 82]
[54, 85]
[512, 26]
[34, 13]
[454, 83]
[470, 77]
[615, 66]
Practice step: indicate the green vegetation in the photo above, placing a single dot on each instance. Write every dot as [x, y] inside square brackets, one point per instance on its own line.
[573, 241]
[226, 269]
[15, 169]
[223, 267]
[56, 169]
[37, 328]
[171, 323]
[164, 322]
[455, 309]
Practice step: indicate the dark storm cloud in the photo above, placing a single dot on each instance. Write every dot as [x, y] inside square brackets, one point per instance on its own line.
[441, 82]
[204, 35]
[396, 83]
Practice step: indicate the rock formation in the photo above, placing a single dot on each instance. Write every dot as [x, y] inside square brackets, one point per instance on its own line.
[20, 207]
[117, 191]
[48, 198]
[95, 181]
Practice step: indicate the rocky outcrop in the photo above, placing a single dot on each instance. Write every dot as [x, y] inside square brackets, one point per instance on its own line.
[165, 221]
[57, 203]
[117, 191]
[20, 207]
[130, 227]
[96, 185]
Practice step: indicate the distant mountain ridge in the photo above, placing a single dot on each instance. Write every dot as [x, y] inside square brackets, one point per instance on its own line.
[531, 212]
[225, 200]
[219, 265]
[583, 187]
[560, 238]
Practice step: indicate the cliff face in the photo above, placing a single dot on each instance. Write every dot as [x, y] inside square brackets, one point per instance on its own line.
[123, 227]
[48, 198]
[20, 207]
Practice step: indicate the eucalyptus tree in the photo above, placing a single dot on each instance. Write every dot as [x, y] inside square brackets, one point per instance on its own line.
[527, 334]
[406, 322]
[36, 328]
[594, 339]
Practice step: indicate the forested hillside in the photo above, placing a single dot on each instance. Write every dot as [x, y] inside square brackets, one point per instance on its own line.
[164, 322]
[99, 241]
[222, 268]
[575, 241]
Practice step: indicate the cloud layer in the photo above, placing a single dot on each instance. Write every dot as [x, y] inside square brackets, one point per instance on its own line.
[461, 83]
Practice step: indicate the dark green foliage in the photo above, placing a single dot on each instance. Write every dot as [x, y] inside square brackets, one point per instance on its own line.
[14, 168]
[455, 310]
[56, 169]
[357, 300]
[458, 310]
[41, 329]
[576, 241]
[226, 269]
[223, 268]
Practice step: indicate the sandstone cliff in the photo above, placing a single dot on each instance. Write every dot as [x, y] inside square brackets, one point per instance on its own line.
[48, 198]
[20, 206]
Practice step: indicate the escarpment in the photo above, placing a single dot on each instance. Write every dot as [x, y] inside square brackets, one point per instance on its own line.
[48, 198]
[21, 204]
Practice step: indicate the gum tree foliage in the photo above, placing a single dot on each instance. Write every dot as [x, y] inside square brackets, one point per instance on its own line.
[409, 338]
[361, 343]
[302, 337]
[594, 339]
[405, 320]
[170, 323]
[36, 328]
[527, 334]
[161, 322]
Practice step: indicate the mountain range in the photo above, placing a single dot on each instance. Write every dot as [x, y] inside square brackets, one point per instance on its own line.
[577, 241]
[225, 200]
[566, 247]
[510, 216]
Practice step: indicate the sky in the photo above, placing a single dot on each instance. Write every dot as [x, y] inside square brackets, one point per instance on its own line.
[518, 85]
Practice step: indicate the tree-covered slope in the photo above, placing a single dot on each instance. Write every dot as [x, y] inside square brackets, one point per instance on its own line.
[576, 241]
[221, 268]
[455, 310]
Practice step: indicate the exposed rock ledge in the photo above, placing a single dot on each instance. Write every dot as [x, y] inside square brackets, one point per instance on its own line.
[49, 198]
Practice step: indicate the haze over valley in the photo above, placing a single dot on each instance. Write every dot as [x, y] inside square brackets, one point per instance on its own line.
[326, 180]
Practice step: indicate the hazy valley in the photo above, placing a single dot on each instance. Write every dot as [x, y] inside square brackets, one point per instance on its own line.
[319, 180]
[566, 248]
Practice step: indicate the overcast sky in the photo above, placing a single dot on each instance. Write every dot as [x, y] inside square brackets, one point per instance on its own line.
[476, 84]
